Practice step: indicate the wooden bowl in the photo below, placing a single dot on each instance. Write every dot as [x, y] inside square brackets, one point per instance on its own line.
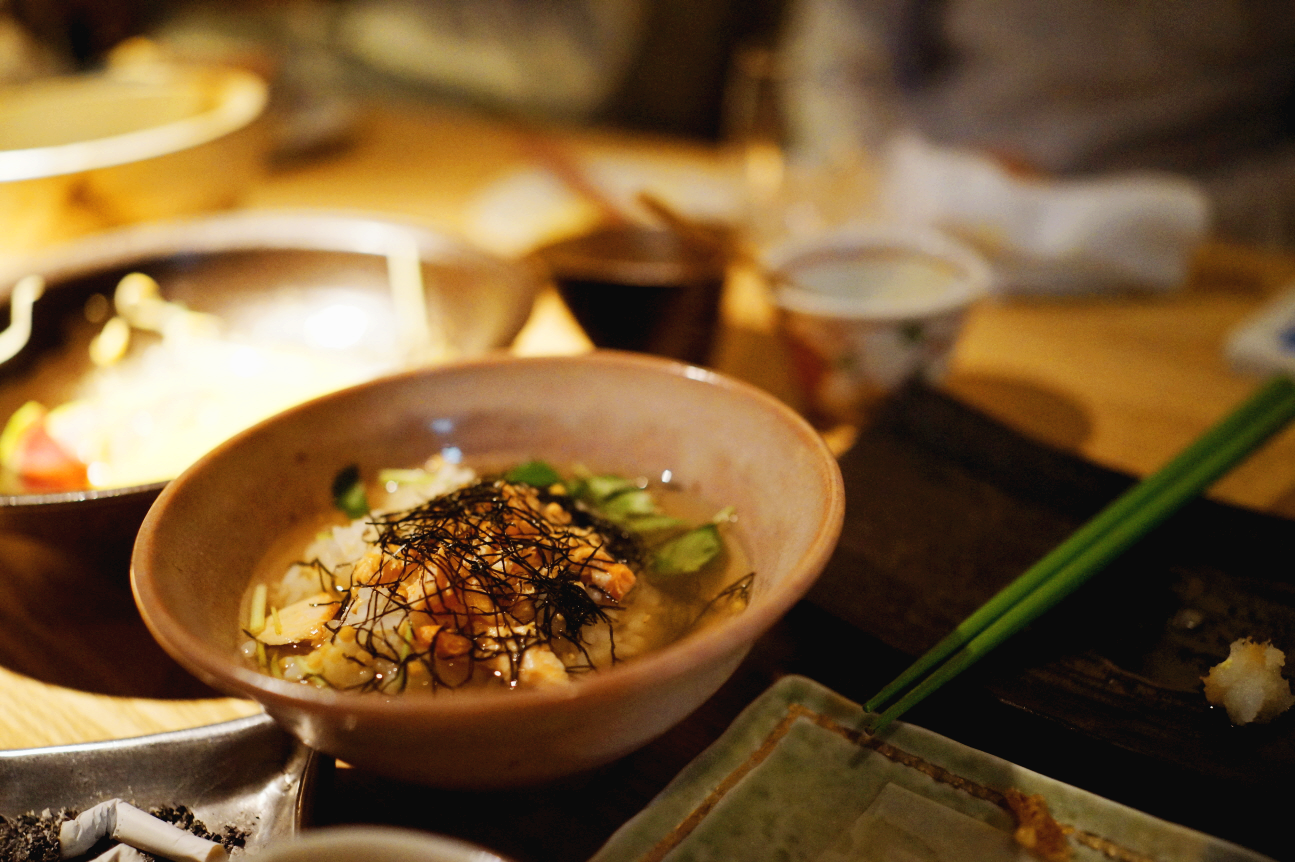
[723, 440]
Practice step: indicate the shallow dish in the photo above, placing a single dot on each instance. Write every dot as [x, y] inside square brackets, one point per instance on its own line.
[795, 777]
[250, 269]
[721, 439]
[245, 773]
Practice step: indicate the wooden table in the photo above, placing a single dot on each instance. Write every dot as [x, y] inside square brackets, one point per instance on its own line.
[1125, 382]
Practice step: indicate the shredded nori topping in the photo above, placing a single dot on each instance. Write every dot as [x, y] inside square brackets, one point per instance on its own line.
[735, 595]
[523, 587]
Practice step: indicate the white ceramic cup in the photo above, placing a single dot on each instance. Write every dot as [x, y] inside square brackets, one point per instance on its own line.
[865, 308]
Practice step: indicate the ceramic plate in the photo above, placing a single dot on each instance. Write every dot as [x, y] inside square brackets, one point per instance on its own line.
[794, 778]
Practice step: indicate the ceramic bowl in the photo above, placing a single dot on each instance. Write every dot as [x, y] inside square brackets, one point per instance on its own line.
[252, 269]
[639, 288]
[634, 414]
[127, 145]
[865, 308]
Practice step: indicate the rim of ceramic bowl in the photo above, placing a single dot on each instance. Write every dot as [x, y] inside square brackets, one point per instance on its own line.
[632, 255]
[288, 229]
[221, 666]
[241, 97]
[969, 281]
[337, 842]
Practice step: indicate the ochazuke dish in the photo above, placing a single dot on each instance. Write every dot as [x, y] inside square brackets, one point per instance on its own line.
[520, 579]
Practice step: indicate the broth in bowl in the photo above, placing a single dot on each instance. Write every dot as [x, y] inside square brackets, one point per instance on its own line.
[528, 578]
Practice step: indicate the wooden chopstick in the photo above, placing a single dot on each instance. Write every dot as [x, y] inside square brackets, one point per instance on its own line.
[1092, 547]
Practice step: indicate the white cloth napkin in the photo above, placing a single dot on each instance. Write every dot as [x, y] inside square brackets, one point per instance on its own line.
[1050, 236]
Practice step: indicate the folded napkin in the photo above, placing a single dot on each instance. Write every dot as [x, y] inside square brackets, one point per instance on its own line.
[1133, 231]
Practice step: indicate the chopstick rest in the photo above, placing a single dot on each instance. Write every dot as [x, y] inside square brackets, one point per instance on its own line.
[125, 823]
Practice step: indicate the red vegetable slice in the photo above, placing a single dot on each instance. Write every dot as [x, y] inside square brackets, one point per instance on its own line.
[34, 455]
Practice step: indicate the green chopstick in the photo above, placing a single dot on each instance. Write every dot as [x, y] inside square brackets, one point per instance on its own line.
[1094, 545]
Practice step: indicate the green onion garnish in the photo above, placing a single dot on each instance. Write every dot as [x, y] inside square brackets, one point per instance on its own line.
[256, 617]
[536, 473]
[688, 553]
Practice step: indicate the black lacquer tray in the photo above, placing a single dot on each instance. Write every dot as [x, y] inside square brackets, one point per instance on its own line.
[945, 506]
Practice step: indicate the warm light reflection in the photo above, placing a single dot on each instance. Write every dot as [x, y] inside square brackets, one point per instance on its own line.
[246, 362]
[336, 327]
